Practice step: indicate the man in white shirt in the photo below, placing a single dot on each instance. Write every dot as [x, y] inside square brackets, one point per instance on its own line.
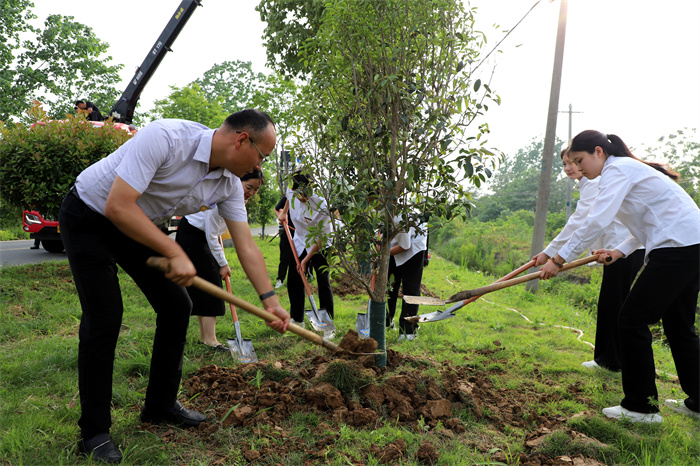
[111, 217]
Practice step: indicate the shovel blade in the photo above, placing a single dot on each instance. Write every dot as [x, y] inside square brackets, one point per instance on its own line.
[242, 350]
[424, 300]
[362, 325]
[320, 320]
[433, 316]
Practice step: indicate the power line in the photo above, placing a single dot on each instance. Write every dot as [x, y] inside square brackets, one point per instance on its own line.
[504, 37]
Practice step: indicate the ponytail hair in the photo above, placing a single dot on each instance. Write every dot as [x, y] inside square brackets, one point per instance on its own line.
[611, 144]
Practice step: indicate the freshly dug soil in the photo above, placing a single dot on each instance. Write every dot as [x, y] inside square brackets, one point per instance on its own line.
[353, 391]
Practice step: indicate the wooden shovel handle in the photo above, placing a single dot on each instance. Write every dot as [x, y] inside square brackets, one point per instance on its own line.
[227, 279]
[512, 274]
[525, 278]
[161, 263]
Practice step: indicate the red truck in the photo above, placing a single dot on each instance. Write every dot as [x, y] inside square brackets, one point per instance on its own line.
[46, 230]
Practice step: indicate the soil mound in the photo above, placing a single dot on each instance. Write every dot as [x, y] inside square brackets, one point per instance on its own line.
[343, 389]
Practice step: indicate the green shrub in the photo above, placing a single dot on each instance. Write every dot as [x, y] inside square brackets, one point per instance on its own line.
[39, 164]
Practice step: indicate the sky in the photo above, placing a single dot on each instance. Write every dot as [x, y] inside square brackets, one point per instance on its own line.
[631, 67]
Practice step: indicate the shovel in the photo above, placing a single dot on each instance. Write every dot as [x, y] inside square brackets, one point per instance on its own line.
[161, 263]
[240, 349]
[319, 318]
[462, 295]
[450, 312]
[362, 322]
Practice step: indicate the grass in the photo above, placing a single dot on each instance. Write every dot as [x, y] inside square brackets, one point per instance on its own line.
[39, 405]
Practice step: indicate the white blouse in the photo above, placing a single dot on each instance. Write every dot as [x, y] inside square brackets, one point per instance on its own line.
[413, 242]
[655, 209]
[613, 235]
[213, 225]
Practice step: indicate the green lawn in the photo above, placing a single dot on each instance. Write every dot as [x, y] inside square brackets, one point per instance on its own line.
[517, 343]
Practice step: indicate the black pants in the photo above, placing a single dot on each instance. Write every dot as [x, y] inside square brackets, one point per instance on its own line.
[285, 254]
[408, 277]
[194, 242]
[617, 281]
[95, 247]
[297, 292]
[667, 289]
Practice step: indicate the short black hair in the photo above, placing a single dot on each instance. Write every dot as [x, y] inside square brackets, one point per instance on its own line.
[250, 120]
[300, 180]
[254, 175]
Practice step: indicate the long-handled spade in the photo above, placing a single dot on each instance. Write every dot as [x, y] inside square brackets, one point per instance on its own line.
[161, 263]
[319, 318]
[240, 349]
[476, 292]
[450, 312]
[362, 322]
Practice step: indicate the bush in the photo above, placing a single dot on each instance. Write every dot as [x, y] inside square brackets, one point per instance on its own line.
[497, 247]
[38, 165]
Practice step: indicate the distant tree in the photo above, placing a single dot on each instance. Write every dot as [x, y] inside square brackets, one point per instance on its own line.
[190, 103]
[280, 97]
[261, 206]
[55, 65]
[515, 183]
[232, 83]
[682, 151]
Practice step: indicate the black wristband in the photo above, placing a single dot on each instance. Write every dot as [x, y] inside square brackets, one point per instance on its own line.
[556, 263]
[269, 294]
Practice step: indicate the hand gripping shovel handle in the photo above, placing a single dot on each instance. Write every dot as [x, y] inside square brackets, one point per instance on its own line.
[161, 264]
[525, 278]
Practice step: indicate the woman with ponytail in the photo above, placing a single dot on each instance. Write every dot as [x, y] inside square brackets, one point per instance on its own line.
[663, 219]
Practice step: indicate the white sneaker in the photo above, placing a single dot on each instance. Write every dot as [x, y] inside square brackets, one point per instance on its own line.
[300, 324]
[618, 412]
[279, 284]
[328, 334]
[590, 365]
[410, 336]
[680, 407]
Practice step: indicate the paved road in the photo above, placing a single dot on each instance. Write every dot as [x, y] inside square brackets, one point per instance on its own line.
[18, 253]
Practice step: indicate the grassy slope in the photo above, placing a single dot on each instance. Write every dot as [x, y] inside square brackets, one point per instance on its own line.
[38, 372]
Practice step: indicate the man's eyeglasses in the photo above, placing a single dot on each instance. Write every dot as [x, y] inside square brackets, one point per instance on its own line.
[263, 157]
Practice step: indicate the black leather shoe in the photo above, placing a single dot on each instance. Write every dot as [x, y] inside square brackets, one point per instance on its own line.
[100, 448]
[177, 415]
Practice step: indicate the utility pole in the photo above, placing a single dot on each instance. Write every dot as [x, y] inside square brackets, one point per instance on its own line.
[549, 138]
[568, 180]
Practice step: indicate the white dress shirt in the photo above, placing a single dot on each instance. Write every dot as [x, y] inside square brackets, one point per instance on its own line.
[313, 212]
[655, 209]
[213, 226]
[168, 163]
[612, 236]
[413, 242]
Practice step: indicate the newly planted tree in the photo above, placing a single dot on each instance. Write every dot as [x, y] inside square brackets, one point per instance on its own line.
[388, 139]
